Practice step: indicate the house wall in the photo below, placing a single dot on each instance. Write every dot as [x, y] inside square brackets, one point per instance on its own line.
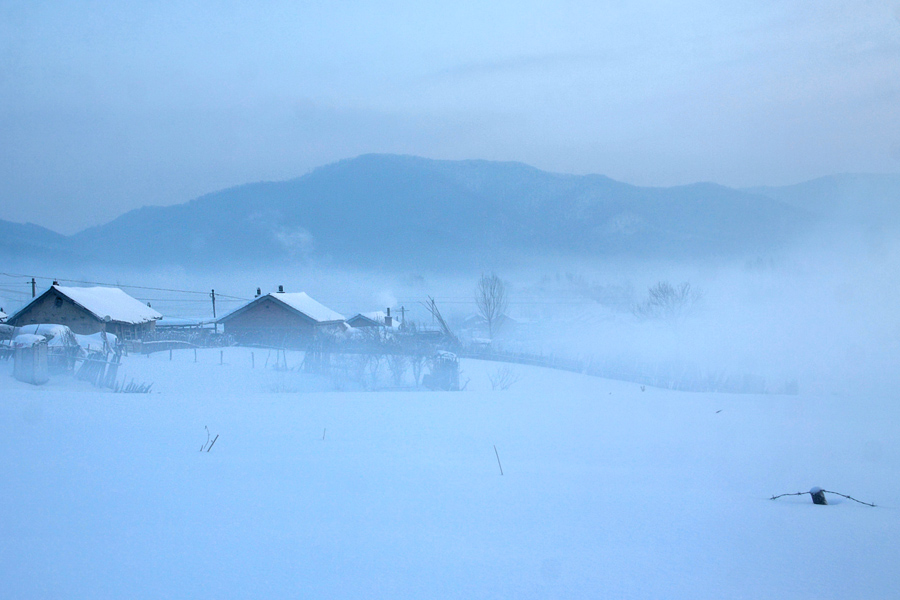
[131, 331]
[53, 307]
[270, 323]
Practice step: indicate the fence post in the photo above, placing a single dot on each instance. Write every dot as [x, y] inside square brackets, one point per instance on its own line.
[221, 357]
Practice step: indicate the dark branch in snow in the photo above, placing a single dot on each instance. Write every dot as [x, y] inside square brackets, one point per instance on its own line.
[794, 494]
[849, 497]
[821, 490]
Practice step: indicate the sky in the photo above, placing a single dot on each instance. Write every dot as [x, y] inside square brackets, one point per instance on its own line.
[109, 106]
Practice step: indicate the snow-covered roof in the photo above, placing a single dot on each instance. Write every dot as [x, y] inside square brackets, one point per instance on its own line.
[299, 301]
[97, 342]
[296, 301]
[361, 320]
[183, 322]
[377, 318]
[2, 316]
[56, 335]
[110, 302]
[103, 302]
[27, 340]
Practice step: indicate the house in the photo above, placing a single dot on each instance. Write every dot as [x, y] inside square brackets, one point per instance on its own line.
[477, 326]
[87, 310]
[281, 319]
[374, 319]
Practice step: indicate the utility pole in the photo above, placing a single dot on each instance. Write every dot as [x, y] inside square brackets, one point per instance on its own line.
[402, 317]
[33, 293]
[212, 295]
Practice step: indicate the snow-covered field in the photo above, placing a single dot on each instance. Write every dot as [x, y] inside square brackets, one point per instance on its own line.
[607, 491]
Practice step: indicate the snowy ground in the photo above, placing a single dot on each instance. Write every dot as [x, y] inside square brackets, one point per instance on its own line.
[608, 491]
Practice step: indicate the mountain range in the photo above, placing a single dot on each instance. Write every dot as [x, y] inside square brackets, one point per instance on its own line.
[409, 212]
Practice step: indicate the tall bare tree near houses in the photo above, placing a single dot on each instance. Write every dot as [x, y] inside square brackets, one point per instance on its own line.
[491, 300]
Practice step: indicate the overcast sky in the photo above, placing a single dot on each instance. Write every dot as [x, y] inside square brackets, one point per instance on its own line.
[108, 106]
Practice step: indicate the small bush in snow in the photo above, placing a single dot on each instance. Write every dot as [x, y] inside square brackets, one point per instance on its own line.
[667, 301]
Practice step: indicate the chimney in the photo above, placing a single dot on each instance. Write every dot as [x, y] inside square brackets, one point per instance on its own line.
[280, 289]
[258, 293]
[388, 321]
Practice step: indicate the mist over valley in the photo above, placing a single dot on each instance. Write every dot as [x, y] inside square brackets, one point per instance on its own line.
[783, 289]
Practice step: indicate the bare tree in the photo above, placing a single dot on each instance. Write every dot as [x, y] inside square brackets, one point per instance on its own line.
[418, 362]
[397, 363]
[491, 300]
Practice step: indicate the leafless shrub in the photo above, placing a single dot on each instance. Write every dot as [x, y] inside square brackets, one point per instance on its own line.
[503, 378]
[668, 302]
[283, 388]
[132, 388]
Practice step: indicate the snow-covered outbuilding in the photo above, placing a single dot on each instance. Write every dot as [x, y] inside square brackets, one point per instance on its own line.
[281, 319]
[63, 347]
[87, 310]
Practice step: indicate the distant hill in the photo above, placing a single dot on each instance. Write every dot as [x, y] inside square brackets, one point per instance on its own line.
[869, 200]
[412, 212]
[407, 212]
[32, 241]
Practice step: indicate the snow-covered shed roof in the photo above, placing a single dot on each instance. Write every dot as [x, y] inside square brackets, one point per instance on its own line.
[27, 340]
[56, 335]
[298, 302]
[103, 302]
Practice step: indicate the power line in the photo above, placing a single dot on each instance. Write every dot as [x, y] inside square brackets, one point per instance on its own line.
[136, 287]
[182, 300]
[444, 300]
[17, 292]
